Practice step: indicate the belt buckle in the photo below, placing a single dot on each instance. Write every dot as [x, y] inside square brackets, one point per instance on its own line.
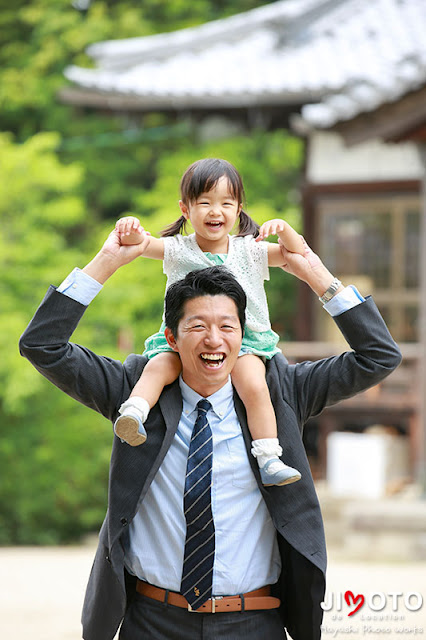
[213, 601]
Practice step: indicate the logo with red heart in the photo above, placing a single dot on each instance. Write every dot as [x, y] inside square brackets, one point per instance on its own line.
[351, 599]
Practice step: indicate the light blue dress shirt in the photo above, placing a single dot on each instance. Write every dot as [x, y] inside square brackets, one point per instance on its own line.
[246, 554]
[80, 287]
[246, 551]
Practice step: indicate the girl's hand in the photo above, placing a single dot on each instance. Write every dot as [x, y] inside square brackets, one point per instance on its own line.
[299, 265]
[123, 252]
[130, 231]
[291, 240]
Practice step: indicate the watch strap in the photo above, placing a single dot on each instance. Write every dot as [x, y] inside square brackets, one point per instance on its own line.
[331, 291]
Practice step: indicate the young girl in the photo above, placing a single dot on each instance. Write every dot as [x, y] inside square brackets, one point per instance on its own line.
[212, 194]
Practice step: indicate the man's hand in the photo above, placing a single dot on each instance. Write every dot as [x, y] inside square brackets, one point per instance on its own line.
[114, 255]
[122, 251]
[307, 267]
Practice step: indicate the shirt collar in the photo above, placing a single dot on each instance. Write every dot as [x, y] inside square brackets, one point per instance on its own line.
[219, 400]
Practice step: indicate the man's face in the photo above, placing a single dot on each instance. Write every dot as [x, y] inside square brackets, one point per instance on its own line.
[208, 342]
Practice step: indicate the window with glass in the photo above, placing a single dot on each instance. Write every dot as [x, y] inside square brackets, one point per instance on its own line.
[375, 241]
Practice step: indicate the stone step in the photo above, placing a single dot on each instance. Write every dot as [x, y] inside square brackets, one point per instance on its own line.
[388, 529]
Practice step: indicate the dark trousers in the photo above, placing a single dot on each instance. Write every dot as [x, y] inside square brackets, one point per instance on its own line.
[147, 619]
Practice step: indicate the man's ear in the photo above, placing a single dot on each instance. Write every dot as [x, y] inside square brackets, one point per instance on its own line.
[184, 209]
[171, 341]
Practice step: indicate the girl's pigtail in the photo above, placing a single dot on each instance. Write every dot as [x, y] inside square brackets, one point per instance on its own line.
[247, 225]
[176, 227]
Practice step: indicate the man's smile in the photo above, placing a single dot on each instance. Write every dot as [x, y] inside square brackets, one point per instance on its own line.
[213, 360]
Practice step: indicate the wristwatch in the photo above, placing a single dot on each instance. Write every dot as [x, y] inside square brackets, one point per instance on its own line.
[331, 291]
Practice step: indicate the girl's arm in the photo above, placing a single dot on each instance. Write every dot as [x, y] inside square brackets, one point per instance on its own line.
[132, 232]
[291, 240]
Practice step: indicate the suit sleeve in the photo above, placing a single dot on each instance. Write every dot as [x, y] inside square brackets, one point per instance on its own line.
[374, 356]
[98, 382]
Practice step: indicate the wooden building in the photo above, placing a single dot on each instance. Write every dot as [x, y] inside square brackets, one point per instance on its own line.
[349, 76]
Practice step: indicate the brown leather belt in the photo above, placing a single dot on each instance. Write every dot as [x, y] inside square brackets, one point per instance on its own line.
[258, 599]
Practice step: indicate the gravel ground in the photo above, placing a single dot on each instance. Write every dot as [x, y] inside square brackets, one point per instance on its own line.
[42, 591]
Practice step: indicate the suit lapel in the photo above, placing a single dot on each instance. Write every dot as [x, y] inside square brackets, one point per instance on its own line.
[242, 418]
[171, 407]
[170, 403]
[267, 495]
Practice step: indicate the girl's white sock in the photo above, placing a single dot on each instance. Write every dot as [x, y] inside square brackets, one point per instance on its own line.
[264, 449]
[136, 405]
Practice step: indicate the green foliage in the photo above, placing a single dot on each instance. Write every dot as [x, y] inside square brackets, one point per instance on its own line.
[66, 176]
[54, 471]
[38, 209]
[52, 483]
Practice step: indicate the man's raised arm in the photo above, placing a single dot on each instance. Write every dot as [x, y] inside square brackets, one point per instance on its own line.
[374, 353]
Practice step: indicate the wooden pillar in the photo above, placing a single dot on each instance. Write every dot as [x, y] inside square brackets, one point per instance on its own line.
[421, 457]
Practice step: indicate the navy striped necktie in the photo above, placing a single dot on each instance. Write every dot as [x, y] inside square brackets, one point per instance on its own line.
[197, 574]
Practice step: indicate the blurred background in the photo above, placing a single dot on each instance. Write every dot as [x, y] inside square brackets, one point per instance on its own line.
[321, 105]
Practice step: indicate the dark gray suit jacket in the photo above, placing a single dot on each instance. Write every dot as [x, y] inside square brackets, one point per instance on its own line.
[298, 392]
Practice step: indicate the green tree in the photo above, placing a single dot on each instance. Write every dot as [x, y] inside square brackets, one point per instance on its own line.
[41, 435]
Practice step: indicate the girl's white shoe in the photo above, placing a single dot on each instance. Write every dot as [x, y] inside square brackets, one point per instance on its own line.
[275, 472]
[129, 425]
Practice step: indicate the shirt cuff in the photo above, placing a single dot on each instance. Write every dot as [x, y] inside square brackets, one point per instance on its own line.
[346, 299]
[80, 287]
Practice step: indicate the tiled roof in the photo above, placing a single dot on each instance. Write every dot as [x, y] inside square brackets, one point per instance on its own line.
[338, 58]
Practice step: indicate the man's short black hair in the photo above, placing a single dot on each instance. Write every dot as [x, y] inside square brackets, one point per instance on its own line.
[213, 281]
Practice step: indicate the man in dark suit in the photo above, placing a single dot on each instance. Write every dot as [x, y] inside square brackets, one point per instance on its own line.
[269, 558]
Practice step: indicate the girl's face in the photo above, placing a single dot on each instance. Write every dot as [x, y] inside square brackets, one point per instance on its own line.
[213, 216]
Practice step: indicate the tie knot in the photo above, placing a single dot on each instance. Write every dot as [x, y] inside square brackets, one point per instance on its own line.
[203, 405]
